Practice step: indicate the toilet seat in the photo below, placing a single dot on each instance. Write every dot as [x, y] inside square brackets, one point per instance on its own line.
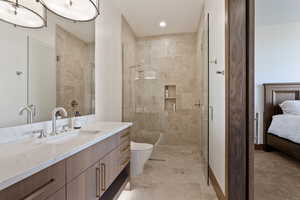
[140, 146]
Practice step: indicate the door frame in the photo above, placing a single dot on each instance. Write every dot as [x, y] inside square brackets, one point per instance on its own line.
[240, 33]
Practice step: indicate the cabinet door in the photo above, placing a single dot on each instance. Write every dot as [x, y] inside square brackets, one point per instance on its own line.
[60, 195]
[86, 186]
[110, 169]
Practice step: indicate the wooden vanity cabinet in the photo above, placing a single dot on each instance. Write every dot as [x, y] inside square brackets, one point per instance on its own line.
[81, 161]
[39, 186]
[93, 182]
[86, 175]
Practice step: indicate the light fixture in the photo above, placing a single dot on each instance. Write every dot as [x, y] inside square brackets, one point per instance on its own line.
[163, 24]
[23, 13]
[75, 10]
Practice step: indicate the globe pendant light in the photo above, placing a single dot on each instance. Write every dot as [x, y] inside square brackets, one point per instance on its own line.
[75, 10]
[23, 13]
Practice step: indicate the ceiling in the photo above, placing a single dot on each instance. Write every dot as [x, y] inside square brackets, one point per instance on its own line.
[144, 16]
[271, 12]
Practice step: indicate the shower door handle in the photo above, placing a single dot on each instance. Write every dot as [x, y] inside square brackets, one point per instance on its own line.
[221, 72]
[211, 109]
[214, 61]
[198, 104]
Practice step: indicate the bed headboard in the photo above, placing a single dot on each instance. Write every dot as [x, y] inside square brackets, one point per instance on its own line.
[275, 94]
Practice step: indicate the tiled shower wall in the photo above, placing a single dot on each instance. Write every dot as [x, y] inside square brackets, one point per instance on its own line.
[163, 60]
[74, 72]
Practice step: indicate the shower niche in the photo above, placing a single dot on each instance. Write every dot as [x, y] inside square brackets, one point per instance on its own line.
[170, 98]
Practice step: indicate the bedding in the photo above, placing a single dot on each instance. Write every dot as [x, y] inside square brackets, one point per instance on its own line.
[286, 126]
[290, 107]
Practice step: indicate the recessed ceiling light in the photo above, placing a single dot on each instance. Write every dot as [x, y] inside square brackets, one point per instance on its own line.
[162, 24]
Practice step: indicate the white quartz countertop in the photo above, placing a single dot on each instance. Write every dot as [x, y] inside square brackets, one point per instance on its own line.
[23, 158]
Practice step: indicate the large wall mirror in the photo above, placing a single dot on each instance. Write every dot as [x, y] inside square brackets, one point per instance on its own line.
[46, 68]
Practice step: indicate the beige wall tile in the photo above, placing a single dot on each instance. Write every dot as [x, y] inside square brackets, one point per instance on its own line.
[74, 72]
[173, 58]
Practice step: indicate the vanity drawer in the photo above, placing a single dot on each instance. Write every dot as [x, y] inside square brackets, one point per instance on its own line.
[125, 155]
[102, 149]
[124, 136]
[39, 186]
[124, 147]
[124, 159]
[81, 161]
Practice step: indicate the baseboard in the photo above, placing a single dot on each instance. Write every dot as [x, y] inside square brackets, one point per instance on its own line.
[216, 186]
[258, 146]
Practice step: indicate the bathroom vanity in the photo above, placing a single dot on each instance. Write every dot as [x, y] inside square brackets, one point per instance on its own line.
[93, 164]
[50, 74]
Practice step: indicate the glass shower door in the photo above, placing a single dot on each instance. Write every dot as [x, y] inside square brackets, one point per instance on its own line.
[205, 127]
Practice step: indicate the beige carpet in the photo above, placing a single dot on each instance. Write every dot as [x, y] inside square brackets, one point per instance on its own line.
[277, 177]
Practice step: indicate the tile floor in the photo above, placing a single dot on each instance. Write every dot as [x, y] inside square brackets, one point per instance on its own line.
[179, 177]
[277, 177]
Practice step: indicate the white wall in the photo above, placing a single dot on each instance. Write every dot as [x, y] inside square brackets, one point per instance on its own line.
[108, 62]
[277, 59]
[13, 47]
[217, 143]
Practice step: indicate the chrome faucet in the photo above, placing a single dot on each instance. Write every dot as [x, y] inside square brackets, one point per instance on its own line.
[54, 112]
[30, 110]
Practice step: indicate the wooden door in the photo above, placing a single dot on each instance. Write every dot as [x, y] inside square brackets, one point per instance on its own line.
[240, 99]
[86, 186]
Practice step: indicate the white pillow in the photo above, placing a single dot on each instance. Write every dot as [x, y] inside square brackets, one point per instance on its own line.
[290, 107]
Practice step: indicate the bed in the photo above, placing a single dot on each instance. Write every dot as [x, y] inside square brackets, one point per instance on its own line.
[284, 133]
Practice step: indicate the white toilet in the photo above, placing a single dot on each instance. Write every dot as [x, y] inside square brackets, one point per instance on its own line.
[140, 154]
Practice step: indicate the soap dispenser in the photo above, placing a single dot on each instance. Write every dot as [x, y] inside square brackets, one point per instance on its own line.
[77, 124]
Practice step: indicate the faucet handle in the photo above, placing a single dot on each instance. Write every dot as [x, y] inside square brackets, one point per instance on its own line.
[33, 109]
[41, 132]
[65, 127]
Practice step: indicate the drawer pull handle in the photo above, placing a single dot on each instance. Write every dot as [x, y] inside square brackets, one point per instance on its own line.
[39, 191]
[103, 182]
[97, 182]
[125, 135]
[125, 149]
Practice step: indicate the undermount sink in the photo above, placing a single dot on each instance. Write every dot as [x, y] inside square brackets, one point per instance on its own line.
[58, 139]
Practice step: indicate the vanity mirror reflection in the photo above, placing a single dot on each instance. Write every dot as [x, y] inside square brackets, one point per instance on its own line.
[41, 69]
